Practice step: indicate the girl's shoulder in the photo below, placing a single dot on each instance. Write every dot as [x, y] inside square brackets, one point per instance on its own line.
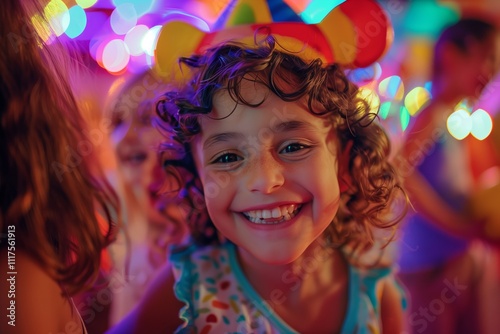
[37, 302]
[371, 291]
[371, 274]
[371, 282]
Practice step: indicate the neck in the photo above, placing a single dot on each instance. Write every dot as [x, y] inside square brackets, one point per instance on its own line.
[313, 272]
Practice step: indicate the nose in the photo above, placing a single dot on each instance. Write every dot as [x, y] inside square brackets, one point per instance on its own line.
[266, 174]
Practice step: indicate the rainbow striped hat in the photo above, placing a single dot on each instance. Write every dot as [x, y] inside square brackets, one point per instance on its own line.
[355, 33]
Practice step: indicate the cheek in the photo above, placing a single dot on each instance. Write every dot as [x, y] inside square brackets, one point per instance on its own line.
[218, 189]
[326, 189]
[211, 192]
[329, 196]
[151, 137]
[218, 205]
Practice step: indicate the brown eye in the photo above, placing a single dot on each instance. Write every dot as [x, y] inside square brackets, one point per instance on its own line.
[293, 148]
[226, 158]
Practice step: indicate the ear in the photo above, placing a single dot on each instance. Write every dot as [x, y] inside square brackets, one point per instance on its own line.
[345, 179]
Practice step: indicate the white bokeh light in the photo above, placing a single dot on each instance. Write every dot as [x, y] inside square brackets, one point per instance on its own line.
[134, 38]
[115, 56]
[482, 124]
[459, 124]
[150, 39]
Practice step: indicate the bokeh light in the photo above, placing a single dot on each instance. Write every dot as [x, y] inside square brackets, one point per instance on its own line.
[428, 18]
[388, 109]
[392, 88]
[149, 40]
[57, 14]
[404, 117]
[481, 123]
[371, 98]
[78, 22]
[459, 124]
[96, 45]
[141, 7]
[123, 18]
[416, 99]
[428, 86]
[115, 56]
[464, 104]
[362, 76]
[86, 3]
[134, 37]
[42, 28]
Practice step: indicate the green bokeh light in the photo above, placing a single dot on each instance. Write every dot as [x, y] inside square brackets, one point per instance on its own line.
[427, 18]
[404, 117]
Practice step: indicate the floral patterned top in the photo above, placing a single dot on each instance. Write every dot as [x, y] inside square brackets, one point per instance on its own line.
[219, 298]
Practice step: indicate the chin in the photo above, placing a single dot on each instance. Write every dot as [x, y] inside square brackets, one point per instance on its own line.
[274, 255]
[283, 261]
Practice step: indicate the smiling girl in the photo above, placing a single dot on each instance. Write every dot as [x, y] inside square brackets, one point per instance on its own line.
[288, 176]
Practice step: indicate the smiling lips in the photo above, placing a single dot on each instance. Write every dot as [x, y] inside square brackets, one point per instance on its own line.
[274, 216]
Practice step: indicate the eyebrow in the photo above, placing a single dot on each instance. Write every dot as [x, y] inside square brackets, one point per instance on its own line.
[222, 137]
[280, 127]
[291, 126]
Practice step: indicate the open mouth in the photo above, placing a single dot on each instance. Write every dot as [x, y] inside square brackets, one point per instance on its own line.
[274, 216]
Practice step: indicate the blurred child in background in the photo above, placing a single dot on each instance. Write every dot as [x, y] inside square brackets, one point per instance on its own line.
[436, 263]
[152, 219]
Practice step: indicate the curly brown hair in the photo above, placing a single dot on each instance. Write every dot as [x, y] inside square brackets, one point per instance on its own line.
[373, 184]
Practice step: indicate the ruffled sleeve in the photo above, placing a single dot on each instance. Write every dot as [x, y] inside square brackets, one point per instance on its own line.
[183, 288]
[363, 314]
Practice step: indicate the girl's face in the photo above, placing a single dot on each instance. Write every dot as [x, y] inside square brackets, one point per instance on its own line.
[135, 141]
[478, 66]
[269, 174]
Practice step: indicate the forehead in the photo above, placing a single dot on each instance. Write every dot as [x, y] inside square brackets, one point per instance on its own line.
[131, 92]
[271, 113]
[253, 90]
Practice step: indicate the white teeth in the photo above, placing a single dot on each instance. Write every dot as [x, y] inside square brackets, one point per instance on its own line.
[286, 212]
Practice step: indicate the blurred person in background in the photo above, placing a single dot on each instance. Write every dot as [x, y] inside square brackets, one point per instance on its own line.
[153, 220]
[57, 209]
[438, 263]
